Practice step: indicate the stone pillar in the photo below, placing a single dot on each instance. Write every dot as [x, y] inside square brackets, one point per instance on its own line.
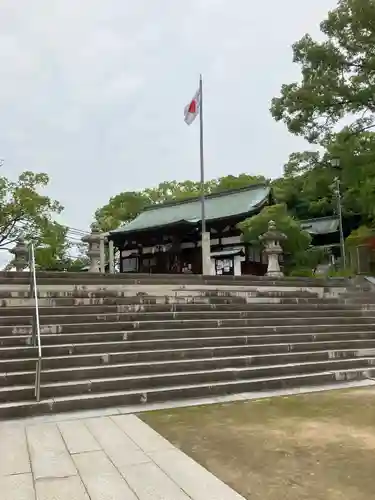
[93, 241]
[111, 256]
[273, 250]
[21, 253]
[206, 254]
[102, 253]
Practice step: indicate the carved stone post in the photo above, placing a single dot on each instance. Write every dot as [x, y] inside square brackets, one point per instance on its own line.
[273, 250]
[102, 243]
[20, 252]
[206, 253]
[111, 256]
[93, 241]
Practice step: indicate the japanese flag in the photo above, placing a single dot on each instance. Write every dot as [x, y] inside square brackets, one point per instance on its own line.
[192, 109]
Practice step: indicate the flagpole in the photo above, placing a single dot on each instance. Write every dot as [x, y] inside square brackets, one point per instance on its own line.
[203, 211]
[204, 246]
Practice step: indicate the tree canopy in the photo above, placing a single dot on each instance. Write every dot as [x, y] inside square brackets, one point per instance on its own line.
[332, 106]
[337, 75]
[296, 240]
[26, 212]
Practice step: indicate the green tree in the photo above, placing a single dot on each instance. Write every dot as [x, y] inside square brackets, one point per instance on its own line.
[308, 260]
[54, 251]
[52, 247]
[229, 182]
[307, 185]
[296, 241]
[337, 83]
[172, 191]
[24, 211]
[79, 260]
[337, 75]
[120, 209]
[289, 191]
[77, 264]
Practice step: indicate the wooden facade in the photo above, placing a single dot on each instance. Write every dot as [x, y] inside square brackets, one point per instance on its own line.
[167, 238]
[175, 247]
[178, 250]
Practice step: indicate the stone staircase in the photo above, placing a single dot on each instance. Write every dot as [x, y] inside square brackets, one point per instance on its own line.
[117, 340]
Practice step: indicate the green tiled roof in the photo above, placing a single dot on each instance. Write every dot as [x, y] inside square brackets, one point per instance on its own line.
[218, 206]
[324, 225]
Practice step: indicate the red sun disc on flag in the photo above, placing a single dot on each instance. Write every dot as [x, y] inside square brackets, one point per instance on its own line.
[193, 107]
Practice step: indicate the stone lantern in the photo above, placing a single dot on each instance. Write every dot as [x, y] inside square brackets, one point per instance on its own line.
[273, 250]
[93, 241]
[20, 252]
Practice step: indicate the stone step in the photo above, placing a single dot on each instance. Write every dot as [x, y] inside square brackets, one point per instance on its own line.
[133, 279]
[170, 277]
[170, 290]
[79, 363]
[214, 314]
[17, 393]
[162, 327]
[199, 375]
[271, 344]
[75, 310]
[213, 370]
[103, 281]
[161, 301]
[359, 300]
[281, 332]
[110, 340]
[143, 382]
[73, 340]
[164, 296]
[358, 292]
[151, 366]
[23, 378]
[183, 293]
[161, 394]
[12, 351]
[18, 378]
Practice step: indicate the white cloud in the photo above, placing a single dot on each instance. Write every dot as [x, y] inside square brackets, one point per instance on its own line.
[93, 91]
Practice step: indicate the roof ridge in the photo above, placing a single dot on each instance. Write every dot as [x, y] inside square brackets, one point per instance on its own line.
[250, 187]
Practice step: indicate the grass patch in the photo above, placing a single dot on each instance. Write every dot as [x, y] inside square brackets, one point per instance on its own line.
[308, 447]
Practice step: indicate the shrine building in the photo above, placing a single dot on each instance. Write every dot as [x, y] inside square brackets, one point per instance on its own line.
[166, 238]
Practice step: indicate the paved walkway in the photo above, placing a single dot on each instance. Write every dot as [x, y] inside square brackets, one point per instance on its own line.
[106, 457]
[111, 455]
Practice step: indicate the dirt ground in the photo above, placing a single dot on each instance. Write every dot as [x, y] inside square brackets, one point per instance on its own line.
[309, 447]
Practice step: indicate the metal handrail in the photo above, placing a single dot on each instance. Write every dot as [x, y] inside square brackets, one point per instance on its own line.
[35, 335]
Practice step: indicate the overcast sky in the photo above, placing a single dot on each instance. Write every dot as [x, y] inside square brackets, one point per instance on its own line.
[93, 91]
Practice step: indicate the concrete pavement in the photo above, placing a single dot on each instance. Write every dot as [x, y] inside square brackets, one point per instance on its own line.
[110, 454]
[105, 457]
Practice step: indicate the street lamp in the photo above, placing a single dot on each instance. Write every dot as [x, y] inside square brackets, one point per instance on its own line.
[335, 163]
